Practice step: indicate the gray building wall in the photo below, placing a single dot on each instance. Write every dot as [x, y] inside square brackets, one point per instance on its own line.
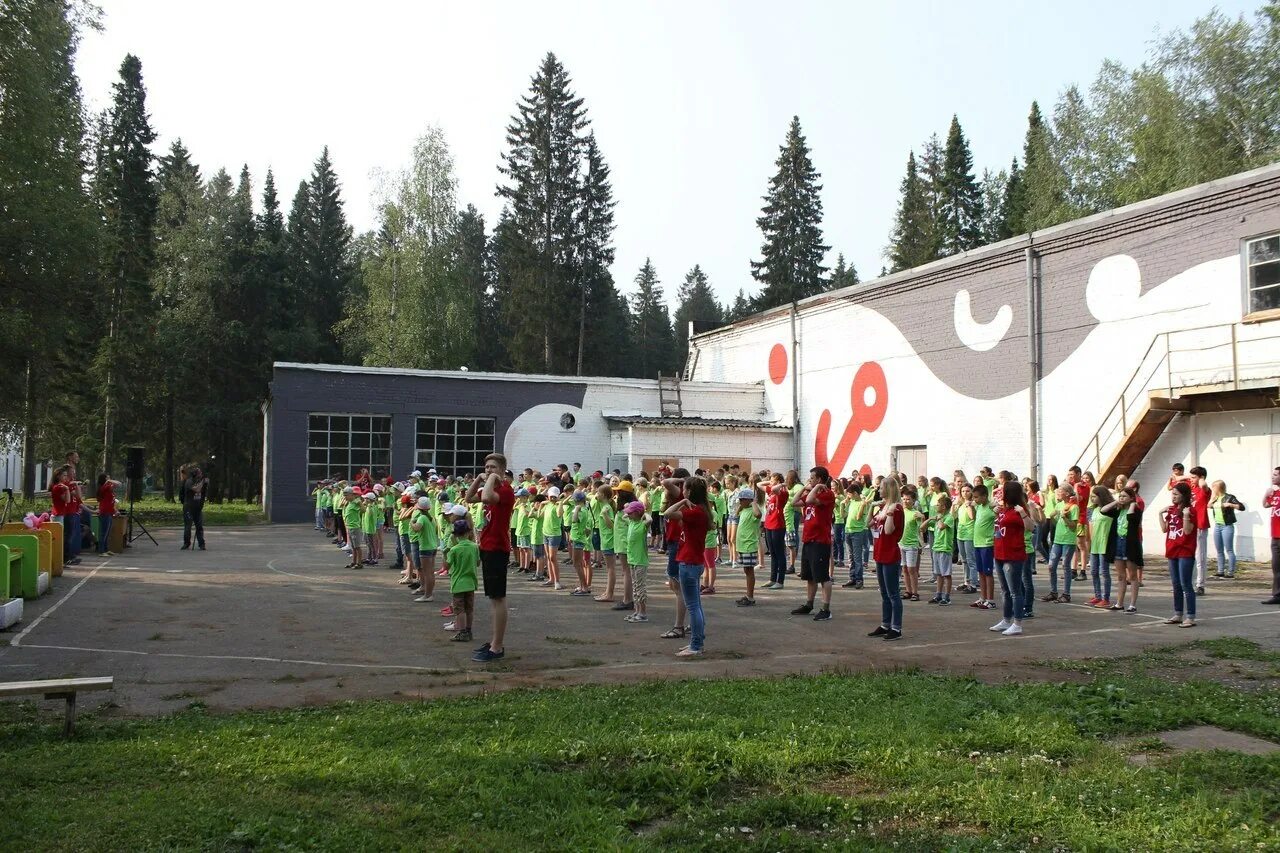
[298, 392]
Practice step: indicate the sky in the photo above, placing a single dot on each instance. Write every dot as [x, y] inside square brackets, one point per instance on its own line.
[689, 101]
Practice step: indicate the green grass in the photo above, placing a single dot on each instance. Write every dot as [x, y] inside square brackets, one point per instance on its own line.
[903, 760]
[155, 511]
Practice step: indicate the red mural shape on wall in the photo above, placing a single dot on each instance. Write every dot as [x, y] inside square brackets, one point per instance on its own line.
[867, 415]
[778, 364]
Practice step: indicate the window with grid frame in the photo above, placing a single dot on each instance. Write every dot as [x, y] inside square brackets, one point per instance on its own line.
[453, 446]
[1262, 274]
[339, 445]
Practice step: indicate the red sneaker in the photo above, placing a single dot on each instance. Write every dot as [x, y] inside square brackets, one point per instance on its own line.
[1103, 603]
[446, 611]
[1093, 602]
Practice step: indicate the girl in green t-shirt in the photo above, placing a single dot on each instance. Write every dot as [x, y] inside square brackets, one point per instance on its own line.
[1064, 522]
[910, 545]
[604, 512]
[984, 540]
[942, 524]
[749, 503]
[637, 527]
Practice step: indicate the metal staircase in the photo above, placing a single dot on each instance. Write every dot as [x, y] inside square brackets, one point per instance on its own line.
[1210, 368]
[669, 396]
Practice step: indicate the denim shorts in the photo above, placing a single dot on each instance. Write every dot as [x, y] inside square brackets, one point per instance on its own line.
[538, 550]
[522, 541]
[1122, 551]
[554, 542]
[608, 552]
[793, 539]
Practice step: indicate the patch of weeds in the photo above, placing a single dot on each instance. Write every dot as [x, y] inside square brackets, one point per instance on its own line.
[1236, 648]
[156, 636]
[174, 697]
[288, 678]
[568, 641]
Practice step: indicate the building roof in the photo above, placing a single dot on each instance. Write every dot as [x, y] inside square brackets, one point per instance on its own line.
[706, 423]
[479, 375]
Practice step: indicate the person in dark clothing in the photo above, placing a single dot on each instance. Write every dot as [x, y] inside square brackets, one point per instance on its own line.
[194, 491]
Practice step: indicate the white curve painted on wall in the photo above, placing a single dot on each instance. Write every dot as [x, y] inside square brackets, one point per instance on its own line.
[977, 336]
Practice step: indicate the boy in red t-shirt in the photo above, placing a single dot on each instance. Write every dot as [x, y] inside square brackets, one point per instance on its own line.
[1272, 502]
[819, 502]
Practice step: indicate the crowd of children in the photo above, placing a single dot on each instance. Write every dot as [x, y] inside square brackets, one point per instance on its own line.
[593, 534]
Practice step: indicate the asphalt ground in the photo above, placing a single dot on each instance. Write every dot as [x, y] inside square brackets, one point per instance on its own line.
[268, 617]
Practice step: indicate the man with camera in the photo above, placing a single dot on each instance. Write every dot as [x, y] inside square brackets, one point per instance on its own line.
[195, 489]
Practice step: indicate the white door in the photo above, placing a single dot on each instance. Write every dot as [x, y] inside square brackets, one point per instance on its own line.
[912, 462]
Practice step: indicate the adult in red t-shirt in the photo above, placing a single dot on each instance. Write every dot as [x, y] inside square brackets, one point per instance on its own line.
[1271, 500]
[818, 502]
[1010, 553]
[499, 499]
[106, 511]
[693, 513]
[886, 533]
[1179, 526]
[775, 531]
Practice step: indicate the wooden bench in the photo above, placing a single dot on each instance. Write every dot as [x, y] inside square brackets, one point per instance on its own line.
[58, 688]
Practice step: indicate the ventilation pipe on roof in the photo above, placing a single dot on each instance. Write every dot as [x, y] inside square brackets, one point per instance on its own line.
[1033, 352]
[795, 391]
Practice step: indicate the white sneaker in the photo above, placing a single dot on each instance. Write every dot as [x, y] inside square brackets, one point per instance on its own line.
[1188, 623]
[1012, 631]
[1000, 626]
[639, 617]
[449, 626]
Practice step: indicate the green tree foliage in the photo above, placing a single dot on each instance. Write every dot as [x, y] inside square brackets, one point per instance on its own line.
[959, 215]
[541, 168]
[48, 234]
[791, 223]
[912, 242]
[697, 302]
[321, 268]
[653, 341]
[126, 194]
[739, 308]
[843, 275]
[593, 255]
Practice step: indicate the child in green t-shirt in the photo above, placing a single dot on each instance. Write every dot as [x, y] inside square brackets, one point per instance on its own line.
[462, 559]
[984, 540]
[943, 525]
[748, 539]
[910, 545]
[637, 558]
[351, 519]
[604, 512]
[711, 545]
[369, 513]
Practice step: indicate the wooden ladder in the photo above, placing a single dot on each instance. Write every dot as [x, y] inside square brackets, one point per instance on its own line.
[669, 396]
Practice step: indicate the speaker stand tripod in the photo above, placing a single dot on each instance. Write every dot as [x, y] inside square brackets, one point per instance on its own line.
[130, 535]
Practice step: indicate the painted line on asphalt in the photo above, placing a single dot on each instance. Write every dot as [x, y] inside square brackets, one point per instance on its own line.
[247, 658]
[17, 641]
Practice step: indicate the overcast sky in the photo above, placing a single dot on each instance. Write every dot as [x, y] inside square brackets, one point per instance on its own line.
[689, 100]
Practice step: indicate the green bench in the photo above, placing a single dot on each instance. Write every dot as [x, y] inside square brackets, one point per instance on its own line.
[23, 574]
[58, 688]
[11, 558]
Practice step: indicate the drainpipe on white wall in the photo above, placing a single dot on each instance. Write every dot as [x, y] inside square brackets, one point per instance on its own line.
[1033, 351]
[795, 392]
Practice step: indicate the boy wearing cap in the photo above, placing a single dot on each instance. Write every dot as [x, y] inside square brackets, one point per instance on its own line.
[351, 519]
[748, 539]
[637, 549]
[422, 530]
[624, 493]
[537, 539]
[550, 521]
[369, 512]
[463, 558]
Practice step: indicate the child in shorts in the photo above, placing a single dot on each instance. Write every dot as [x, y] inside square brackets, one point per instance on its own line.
[910, 545]
[369, 513]
[749, 502]
[352, 521]
[462, 559]
[984, 540]
[943, 526]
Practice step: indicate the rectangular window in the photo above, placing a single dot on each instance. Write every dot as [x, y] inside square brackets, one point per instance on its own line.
[338, 446]
[1262, 274]
[453, 446]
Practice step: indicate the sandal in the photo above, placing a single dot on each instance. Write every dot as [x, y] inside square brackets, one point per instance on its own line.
[676, 633]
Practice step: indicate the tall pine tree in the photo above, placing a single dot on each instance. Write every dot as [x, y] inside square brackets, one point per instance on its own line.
[320, 263]
[697, 302]
[127, 198]
[598, 297]
[912, 241]
[960, 197]
[541, 168]
[653, 343]
[1042, 179]
[791, 224]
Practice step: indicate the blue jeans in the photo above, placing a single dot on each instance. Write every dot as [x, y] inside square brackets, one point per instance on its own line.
[1065, 553]
[691, 591]
[970, 559]
[673, 568]
[104, 532]
[1010, 575]
[71, 536]
[1100, 571]
[858, 554]
[1028, 584]
[777, 555]
[837, 544]
[889, 576]
[1224, 539]
[1181, 573]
